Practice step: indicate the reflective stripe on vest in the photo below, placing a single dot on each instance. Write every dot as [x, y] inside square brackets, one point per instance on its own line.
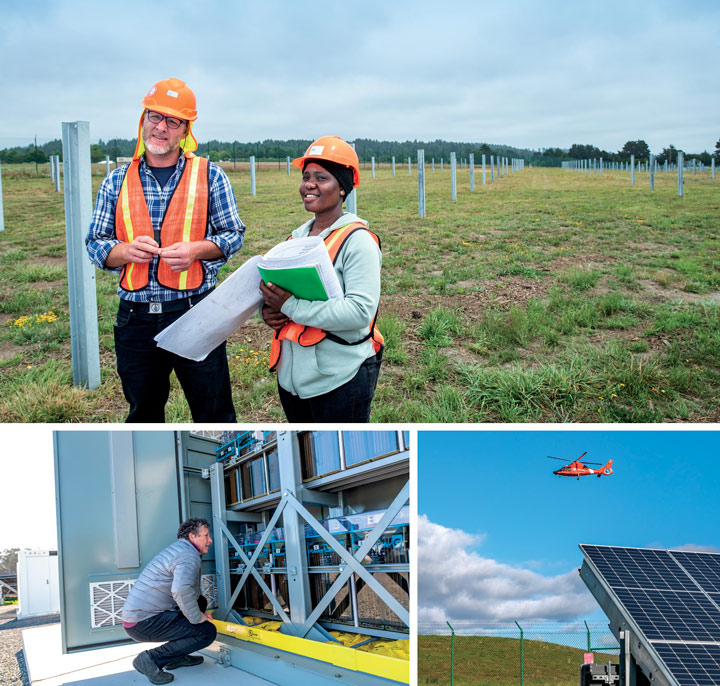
[311, 335]
[185, 220]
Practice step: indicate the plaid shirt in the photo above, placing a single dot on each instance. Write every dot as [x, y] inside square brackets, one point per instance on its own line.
[225, 228]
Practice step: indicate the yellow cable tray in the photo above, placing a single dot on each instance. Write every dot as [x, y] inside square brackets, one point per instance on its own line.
[391, 668]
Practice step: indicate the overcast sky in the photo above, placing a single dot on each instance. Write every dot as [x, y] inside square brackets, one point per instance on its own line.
[498, 533]
[524, 72]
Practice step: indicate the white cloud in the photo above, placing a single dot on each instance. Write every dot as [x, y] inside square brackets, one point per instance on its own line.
[455, 582]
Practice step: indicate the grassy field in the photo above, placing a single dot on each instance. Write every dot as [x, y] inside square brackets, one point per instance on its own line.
[546, 296]
[491, 661]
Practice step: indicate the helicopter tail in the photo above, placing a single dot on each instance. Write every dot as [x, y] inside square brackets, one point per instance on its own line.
[607, 470]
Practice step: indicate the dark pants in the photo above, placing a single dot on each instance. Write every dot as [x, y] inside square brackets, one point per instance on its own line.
[347, 403]
[145, 369]
[172, 626]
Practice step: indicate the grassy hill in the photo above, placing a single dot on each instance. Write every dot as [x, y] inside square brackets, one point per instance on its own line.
[491, 661]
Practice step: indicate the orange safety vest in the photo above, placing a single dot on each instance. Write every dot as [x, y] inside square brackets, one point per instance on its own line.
[311, 335]
[185, 220]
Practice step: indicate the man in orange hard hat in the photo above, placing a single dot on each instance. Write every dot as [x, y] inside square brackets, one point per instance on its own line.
[166, 223]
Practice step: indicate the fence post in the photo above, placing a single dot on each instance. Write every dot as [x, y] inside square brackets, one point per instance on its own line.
[409, 166]
[442, 164]
[472, 171]
[2, 211]
[652, 172]
[393, 164]
[632, 170]
[452, 654]
[57, 173]
[589, 649]
[522, 656]
[351, 202]
[492, 168]
[107, 165]
[81, 272]
[680, 165]
[712, 167]
[421, 182]
[483, 166]
[51, 159]
[287, 162]
[372, 162]
[252, 174]
[453, 171]
[433, 164]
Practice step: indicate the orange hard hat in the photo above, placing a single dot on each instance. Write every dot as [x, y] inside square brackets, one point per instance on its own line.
[333, 149]
[172, 97]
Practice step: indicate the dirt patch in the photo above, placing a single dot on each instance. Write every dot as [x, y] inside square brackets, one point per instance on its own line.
[60, 261]
[9, 350]
[659, 293]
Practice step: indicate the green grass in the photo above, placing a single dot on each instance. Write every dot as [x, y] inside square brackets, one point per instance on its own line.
[492, 661]
[546, 296]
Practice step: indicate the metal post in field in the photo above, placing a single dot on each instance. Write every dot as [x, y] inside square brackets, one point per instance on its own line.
[433, 164]
[522, 656]
[2, 211]
[252, 175]
[409, 166]
[601, 166]
[712, 167]
[287, 163]
[666, 166]
[57, 173]
[393, 165]
[472, 171]
[694, 167]
[421, 182]
[632, 170]
[372, 163]
[452, 654]
[351, 201]
[483, 166]
[651, 169]
[680, 166]
[453, 180]
[492, 168]
[82, 294]
[51, 159]
[442, 164]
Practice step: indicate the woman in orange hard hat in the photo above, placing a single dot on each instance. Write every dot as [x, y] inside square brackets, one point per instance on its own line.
[327, 353]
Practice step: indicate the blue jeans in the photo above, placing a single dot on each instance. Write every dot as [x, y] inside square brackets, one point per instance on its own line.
[172, 626]
[145, 369]
[347, 403]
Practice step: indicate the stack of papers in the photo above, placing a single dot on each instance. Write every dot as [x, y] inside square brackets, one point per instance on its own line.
[301, 266]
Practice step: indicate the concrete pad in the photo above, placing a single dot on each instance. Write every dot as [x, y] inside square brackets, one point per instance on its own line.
[47, 665]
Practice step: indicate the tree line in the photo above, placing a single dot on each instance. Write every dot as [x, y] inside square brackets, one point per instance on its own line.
[367, 148]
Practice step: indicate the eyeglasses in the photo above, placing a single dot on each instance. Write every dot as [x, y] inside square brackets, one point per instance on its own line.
[156, 118]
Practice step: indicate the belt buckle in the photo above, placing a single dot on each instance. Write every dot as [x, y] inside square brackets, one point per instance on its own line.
[155, 308]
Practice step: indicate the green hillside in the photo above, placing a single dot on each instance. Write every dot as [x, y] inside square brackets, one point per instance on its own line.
[491, 661]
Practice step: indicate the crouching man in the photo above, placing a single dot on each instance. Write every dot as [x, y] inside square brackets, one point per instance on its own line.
[165, 604]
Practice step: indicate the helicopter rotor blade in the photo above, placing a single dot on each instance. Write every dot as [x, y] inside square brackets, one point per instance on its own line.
[562, 459]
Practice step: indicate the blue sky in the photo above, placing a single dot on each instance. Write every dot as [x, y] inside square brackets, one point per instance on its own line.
[510, 529]
[525, 73]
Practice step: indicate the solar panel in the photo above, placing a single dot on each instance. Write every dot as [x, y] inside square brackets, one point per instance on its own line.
[671, 600]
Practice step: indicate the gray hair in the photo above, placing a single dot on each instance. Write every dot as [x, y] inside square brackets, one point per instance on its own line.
[192, 526]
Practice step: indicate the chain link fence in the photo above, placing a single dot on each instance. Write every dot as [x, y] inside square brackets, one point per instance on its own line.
[470, 653]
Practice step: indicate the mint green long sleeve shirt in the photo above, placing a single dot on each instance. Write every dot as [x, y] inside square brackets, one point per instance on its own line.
[314, 370]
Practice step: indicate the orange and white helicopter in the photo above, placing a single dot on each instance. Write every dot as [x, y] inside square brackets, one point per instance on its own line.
[577, 469]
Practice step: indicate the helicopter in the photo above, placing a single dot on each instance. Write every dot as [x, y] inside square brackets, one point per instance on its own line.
[577, 469]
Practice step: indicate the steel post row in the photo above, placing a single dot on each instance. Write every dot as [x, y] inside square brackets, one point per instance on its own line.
[252, 175]
[421, 182]
[81, 273]
[453, 172]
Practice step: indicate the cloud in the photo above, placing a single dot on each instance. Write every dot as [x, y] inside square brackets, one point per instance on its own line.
[455, 582]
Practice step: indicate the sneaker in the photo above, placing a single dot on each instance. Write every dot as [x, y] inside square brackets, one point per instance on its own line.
[185, 661]
[144, 664]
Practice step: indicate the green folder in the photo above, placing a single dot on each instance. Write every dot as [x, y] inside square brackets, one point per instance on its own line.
[303, 282]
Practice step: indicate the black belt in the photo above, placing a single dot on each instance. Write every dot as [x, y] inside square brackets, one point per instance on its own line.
[163, 307]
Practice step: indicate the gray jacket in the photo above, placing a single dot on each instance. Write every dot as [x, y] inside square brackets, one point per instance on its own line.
[170, 580]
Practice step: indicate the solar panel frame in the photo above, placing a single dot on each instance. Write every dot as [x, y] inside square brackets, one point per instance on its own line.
[671, 600]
